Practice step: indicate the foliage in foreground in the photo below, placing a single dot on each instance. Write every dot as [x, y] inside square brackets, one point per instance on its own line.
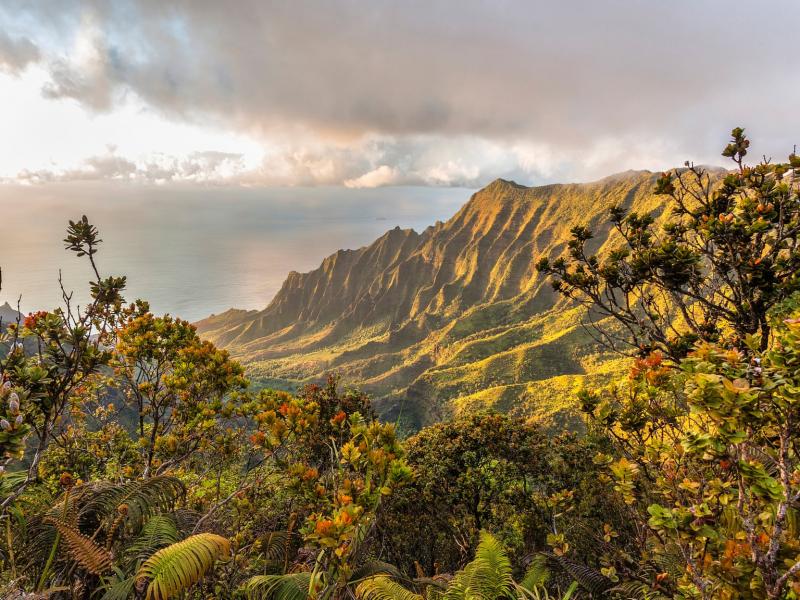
[705, 431]
[139, 463]
[708, 461]
[488, 575]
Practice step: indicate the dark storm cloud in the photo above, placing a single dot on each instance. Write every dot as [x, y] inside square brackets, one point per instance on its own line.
[569, 74]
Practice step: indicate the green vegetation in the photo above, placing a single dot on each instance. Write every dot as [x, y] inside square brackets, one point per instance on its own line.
[432, 324]
[139, 462]
[725, 256]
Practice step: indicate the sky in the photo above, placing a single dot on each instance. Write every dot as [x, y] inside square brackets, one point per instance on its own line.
[371, 94]
[327, 122]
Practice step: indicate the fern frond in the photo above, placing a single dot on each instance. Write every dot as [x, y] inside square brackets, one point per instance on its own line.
[487, 577]
[668, 558]
[374, 568]
[9, 481]
[591, 580]
[83, 550]
[571, 591]
[635, 590]
[275, 544]
[537, 574]
[121, 589]
[292, 586]
[138, 500]
[381, 587]
[39, 541]
[176, 568]
[158, 532]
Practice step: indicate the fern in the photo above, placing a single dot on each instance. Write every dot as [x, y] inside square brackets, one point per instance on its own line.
[275, 544]
[185, 519]
[487, 577]
[634, 590]
[138, 500]
[536, 575]
[39, 541]
[382, 588]
[83, 550]
[10, 481]
[176, 568]
[158, 532]
[292, 586]
[121, 588]
[591, 580]
[99, 509]
[374, 568]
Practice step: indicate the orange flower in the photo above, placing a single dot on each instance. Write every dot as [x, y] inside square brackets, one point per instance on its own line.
[33, 318]
[654, 359]
[258, 438]
[323, 527]
[344, 518]
[339, 418]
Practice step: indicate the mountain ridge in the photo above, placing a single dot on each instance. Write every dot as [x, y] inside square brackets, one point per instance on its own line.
[448, 319]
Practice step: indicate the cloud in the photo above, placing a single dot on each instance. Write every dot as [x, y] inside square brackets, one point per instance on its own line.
[383, 175]
[16, 53]
[376, 93]
[371, 162]
[199, 167]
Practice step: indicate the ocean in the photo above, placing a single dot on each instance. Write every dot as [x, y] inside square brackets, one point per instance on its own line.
[195, 251]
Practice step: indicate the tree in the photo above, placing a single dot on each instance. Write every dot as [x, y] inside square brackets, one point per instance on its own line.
[471, 474]
[709, 463]
[51, 354]
[341, 467]
[178, 384]
[728, 250]
[502, 474]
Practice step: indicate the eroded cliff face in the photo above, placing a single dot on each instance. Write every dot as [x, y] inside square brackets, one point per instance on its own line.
[455, 318]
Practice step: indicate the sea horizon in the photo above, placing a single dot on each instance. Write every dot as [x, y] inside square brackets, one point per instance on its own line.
[198, 250]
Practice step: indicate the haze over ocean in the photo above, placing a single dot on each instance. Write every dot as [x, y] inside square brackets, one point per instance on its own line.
[194, 251]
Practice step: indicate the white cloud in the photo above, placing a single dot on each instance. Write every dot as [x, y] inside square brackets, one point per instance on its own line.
[383, 175]
[59, 137]
[198, 167]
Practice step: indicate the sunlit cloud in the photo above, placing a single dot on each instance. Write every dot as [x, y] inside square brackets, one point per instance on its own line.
[380, 176]
[383, 94]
